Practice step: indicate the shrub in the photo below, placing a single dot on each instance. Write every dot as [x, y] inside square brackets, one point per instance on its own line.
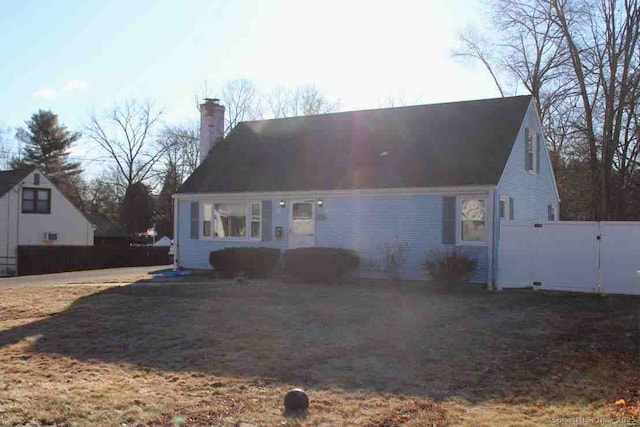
[320, 264]
[394, 257]
[252, 262]
[451, 265]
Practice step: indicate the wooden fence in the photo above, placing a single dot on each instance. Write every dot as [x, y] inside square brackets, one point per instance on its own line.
[58, 259]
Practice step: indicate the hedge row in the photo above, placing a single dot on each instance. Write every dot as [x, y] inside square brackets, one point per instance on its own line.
[309, 264]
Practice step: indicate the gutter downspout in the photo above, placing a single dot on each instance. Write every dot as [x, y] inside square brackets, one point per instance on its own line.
[18, 191]
[490, 249]
[8, 222]
[176, 239]
[6, 259]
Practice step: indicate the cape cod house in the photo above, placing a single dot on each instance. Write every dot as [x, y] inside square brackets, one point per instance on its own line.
[433, 176]
[34, 212]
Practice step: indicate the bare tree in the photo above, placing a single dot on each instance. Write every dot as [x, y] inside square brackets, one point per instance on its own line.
[398, 98]
[474, 46]
[279, 102]
[125, 132]
[242, 102]
[602, 45]
[180, 144]
[305, 100]
[312, 100]
[581, 62]
[5, 152]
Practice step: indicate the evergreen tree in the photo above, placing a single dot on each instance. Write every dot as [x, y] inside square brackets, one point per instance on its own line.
[47, 144]
[164, 212]
[136, 211]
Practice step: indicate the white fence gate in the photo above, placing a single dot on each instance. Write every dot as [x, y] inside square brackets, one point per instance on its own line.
[571, 256]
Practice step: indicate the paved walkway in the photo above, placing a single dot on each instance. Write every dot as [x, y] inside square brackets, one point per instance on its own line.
[111, 275]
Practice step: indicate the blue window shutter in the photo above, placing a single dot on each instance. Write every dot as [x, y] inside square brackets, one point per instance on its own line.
[527, 145]
[538, 142]
[266, 220]
[195, 220]
[511, 213]
[449, 220]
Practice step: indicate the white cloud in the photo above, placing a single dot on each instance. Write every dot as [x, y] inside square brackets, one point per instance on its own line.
[48, 93]
[69, 89]
[76, 86]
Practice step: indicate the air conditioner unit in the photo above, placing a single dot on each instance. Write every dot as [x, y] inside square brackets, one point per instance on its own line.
[50, 237]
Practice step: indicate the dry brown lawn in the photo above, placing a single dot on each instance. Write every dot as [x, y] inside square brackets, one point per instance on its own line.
[222, 353]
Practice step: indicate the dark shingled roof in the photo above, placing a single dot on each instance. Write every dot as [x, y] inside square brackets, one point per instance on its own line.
[452, 144]
[11, 178]
[105, 227]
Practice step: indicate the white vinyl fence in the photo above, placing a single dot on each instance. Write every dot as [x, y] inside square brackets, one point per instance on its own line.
[576, 256]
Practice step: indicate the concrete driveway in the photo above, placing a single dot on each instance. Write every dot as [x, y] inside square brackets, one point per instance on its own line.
[111, 275]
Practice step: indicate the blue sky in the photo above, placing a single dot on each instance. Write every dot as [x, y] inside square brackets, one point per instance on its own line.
[71, 57]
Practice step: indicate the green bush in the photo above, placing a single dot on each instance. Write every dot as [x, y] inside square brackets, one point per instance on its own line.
[320, 264]
[251, 262]
[450, 265]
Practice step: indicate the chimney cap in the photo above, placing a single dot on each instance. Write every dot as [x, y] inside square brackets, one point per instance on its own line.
[212, 100]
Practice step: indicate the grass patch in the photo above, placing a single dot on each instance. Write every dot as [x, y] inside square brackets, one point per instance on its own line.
[221, 353]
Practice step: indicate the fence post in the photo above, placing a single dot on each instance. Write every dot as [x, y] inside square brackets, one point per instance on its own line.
[599, 246]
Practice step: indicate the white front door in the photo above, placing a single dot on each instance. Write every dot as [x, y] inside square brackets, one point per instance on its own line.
[302, 228]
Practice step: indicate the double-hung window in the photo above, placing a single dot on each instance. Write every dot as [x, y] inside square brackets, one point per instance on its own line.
[505, 208]
[532, 147]
[529, 150]
[36, 200]
[472, 220]
[231, 220]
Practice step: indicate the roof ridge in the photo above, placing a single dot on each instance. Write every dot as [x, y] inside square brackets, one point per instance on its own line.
[22, 169]
[401, 107]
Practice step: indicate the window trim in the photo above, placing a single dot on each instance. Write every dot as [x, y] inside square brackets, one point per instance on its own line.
[553, 208]
[35, 201]
[507, 206]
[459, 241]
[250, 219]
[534, 149]
[247, 214]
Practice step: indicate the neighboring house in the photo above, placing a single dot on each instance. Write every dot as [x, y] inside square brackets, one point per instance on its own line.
[433, 176]
[34, 212]
[107, 232]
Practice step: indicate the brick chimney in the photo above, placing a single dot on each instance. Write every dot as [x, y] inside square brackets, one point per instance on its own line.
[211, 125]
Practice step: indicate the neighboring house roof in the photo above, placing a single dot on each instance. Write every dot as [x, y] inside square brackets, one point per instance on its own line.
[451, 144]
[11, 178]
[105, 228]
